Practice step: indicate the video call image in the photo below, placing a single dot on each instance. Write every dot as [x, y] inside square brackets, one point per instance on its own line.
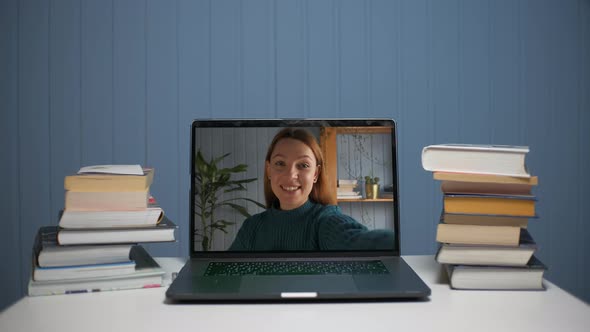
[292, 202]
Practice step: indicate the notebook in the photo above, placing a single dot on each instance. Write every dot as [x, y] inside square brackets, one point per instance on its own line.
[294, 209]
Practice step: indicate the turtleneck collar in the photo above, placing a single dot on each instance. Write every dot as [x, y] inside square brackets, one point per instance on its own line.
[298, 212]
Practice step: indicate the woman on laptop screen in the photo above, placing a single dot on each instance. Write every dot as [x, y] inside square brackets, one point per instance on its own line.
[301, 214]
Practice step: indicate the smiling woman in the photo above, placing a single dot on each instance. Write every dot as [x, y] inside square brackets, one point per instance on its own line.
[301, 214]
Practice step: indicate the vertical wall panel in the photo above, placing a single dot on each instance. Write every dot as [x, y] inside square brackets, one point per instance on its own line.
[33, 127]
[353, 44]
[97, 82]
[445, 71]
[194, 22]
[9, 197]
[290, 64]
[383, 58]
[563, 133]
[129, 82]
[474, 69]
[64, 97]
[417, 231]
[226, 69]
[504, 73]
[257, 59]
[322, 59]
[162, 110]
[583, 227]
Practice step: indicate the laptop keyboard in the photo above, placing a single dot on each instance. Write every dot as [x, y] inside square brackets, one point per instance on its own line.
[295, 268]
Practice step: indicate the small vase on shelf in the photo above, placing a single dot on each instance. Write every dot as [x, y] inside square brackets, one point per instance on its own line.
[371, 187]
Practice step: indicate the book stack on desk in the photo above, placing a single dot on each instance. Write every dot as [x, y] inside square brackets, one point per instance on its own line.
[96, 245]
[487, 204]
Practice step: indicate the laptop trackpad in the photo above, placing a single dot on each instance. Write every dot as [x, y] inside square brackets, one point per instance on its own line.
[297, 283]
[217, 284]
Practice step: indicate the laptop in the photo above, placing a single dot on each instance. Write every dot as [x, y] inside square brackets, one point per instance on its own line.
[342, 243]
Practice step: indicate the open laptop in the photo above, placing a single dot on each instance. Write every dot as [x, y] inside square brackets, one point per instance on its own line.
[352, 149]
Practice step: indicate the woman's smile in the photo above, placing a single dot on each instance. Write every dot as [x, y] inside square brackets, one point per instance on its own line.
[290, 188]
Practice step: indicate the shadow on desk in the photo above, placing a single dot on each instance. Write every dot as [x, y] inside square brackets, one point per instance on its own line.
[442, 278]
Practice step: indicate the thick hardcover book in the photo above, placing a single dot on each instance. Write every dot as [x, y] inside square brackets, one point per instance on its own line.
[511, 205]
[485, 178]
[481, 159]
[465, 183]
[109, 182]
[49, 253]
[107, 200]
[480, 235]
[147, 217]
[484, 219]
[465, 254]
[147, 274]
[529, 277]
[162, 232]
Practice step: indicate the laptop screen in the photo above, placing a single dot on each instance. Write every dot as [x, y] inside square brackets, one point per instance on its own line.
[294, 186]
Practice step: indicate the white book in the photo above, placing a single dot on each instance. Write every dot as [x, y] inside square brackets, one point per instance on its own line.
[92, 219]
[112, 169]
[529, 277]
[480, 159]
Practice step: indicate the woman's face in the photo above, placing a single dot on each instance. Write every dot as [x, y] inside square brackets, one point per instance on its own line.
[292, 170]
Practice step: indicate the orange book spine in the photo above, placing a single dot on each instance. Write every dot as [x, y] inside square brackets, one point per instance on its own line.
[489, 205]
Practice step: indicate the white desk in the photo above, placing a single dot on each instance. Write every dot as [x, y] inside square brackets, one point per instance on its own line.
[447, 310]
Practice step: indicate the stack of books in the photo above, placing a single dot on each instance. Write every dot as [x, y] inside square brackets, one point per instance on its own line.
[387, 191]
[108, 212]
[348, 189]
[487, 203]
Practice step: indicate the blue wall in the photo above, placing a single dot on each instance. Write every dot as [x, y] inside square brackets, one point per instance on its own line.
[96, 82]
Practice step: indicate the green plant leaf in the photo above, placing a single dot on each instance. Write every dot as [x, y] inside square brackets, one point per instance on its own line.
[244, 199]
[242, 210]
[244, 181]
[210, 182]
[214, 161]
[222, 225]
[238, 169]
[201, 165]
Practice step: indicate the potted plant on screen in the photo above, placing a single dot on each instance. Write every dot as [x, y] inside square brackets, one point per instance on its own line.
[212, 183]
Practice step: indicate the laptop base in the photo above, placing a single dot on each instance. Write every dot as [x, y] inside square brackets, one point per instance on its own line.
[402, 283]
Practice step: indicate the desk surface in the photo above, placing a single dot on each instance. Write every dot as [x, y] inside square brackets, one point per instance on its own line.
[447, 310]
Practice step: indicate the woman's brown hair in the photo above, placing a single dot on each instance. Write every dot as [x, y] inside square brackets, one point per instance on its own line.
[320, 193]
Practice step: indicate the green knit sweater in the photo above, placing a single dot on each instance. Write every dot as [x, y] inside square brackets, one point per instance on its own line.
[311, 226]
